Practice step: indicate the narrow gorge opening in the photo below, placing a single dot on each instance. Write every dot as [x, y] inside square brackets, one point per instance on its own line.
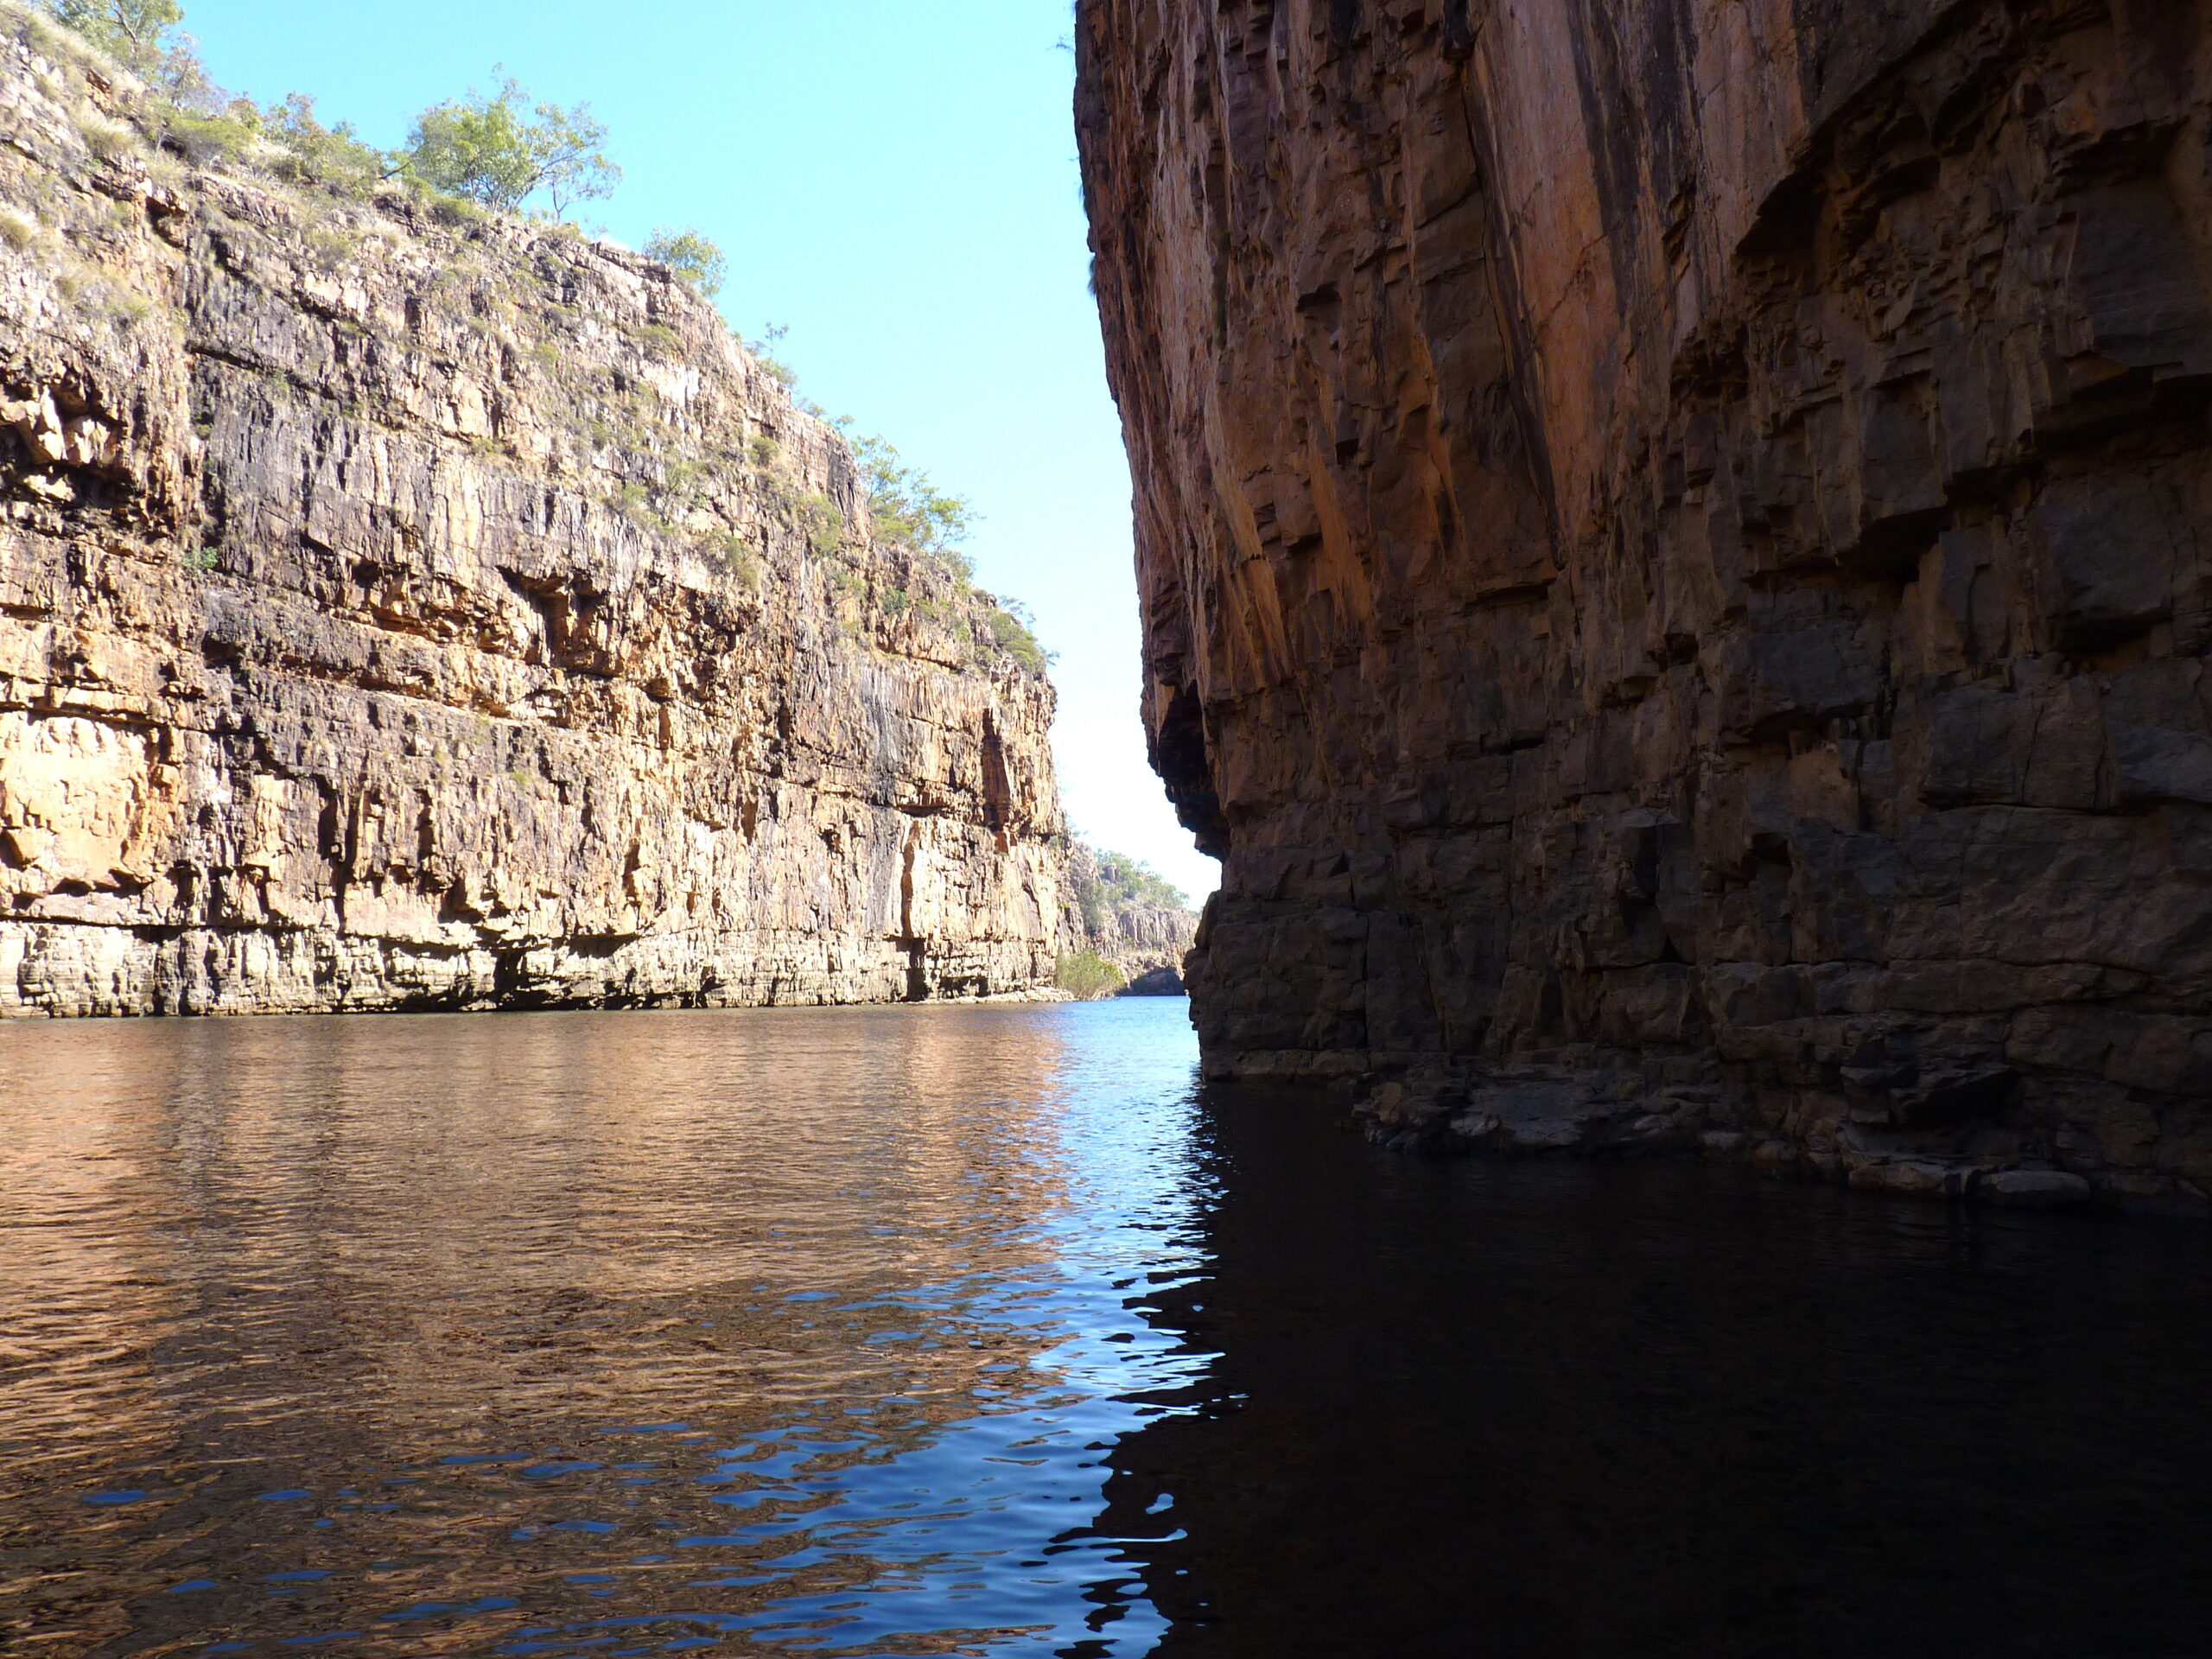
[1376, 862]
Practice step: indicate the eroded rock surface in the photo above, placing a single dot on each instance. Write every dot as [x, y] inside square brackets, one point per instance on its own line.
[402, 608]
[1674, 554]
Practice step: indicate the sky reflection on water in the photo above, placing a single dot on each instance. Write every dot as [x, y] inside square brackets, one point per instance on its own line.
[789, 1333]
[908, 1331]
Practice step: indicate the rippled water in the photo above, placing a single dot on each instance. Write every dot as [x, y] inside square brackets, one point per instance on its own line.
[904, 1332]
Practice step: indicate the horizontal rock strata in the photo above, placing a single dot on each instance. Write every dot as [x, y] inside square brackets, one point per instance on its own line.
[1673, 540]
[405, 608]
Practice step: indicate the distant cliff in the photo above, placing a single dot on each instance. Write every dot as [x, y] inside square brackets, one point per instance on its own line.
[1125, 915]
[402, 607]
[1674, 559]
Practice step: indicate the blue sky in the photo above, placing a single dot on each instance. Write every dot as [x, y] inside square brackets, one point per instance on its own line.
[896, 184]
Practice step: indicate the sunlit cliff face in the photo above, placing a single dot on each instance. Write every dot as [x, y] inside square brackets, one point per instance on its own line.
[402, 607]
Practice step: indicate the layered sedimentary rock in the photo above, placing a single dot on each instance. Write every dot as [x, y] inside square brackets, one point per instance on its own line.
[1675, 555]
[406, 608]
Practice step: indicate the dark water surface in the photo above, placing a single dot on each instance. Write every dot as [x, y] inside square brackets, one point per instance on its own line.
[908, 1331]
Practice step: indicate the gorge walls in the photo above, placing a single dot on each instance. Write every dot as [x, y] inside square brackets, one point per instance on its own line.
[402, 607]
[1676, 547]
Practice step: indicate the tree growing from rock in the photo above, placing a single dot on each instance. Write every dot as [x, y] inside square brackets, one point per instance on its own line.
[127, 29]
[322, 155]
[906, 507]
[502, 150]
[142, 35]
[699, 264]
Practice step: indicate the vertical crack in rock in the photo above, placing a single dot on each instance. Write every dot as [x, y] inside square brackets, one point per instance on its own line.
[1672, 545]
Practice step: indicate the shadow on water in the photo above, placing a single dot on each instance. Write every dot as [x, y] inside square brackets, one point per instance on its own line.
[1547, 1409]
[905, 1331]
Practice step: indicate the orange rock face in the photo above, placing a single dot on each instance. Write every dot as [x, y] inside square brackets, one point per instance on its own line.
[1673, 541]
[405, 608]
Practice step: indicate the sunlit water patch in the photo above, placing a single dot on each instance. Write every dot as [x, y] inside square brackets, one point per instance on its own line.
[801, 1333]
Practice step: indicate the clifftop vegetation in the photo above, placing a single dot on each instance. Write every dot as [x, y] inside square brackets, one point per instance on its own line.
[1108, 885]
[498, 153]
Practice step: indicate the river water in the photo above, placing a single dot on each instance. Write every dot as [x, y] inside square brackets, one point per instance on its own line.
[927, 1330]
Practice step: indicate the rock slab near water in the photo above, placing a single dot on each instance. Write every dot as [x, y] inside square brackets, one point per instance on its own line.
[1674, 552]
[405, 607]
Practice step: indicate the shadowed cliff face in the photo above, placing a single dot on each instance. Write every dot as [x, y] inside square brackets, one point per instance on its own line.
[400, 608]
[1670, 539]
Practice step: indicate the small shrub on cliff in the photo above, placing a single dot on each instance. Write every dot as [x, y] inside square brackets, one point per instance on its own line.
[904, 505]
[698, 264]
[121, 305]
[104, 138]
[1089, 976]
[456, 212]
[635, 502]
[762, 350]
[314, 154]
[733, 554]
[205, 137]
[332, 248]
[1011, 630]
[757, 351]
[823, 523]
[500, 151]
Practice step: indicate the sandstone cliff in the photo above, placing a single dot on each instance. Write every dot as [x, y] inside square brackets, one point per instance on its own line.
[405, 608]
[1124, 914]
[1672, 544]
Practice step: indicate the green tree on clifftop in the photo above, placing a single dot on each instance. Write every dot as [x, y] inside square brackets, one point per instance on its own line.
[699, 264]
[499, 151]
[126, 29]
[907, 507]
[140, 34]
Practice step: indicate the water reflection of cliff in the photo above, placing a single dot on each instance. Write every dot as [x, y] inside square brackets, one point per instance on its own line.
[1547, 1411]
[418, 1272]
